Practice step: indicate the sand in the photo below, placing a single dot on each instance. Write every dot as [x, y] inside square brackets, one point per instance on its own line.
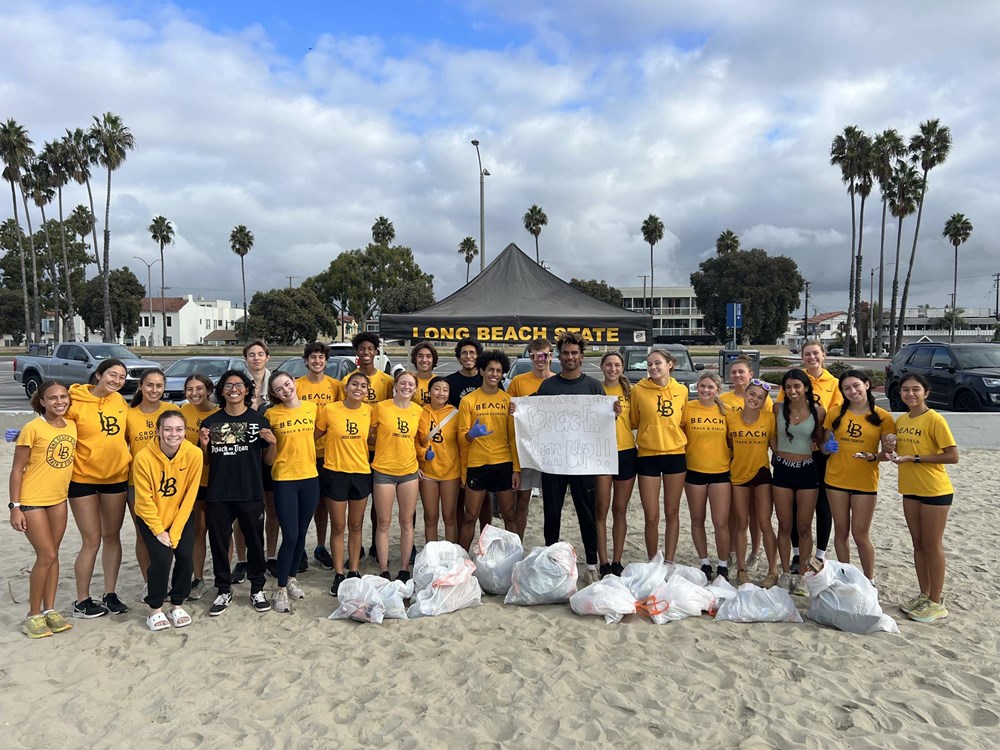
[498, 676]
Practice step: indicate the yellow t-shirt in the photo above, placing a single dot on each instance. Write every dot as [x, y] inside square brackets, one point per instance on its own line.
[346, 438]
[395, 438]
[50, 463]
[623, 425]
[856, 434]
[423, 393]
[140, 429]
[925, 435]
[706, 429]
[493, 411]
[379, 386]
[446, 463]
[193, 417]
[296, 447]
[657, 414]
[525, 384]
[735, 402]
[750, 445]
[826, 388]
[326, 391]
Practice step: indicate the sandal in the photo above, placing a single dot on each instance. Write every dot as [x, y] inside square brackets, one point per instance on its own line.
[179, 618]
[157, 622]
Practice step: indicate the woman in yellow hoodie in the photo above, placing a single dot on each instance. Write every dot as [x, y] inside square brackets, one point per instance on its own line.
[658, 404]
[167, 473]
[98, 487]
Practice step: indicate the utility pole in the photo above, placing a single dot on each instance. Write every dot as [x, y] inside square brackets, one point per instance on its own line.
[644, 276]
[805, 317]
[290, 280]
[996, 285]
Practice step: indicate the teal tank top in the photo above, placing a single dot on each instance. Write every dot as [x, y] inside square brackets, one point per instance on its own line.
[802, 434]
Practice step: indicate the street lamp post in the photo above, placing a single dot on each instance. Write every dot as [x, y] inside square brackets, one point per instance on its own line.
[149, 284]
[483, 174]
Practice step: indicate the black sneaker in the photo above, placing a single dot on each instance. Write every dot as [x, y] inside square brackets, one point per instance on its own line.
[337, 580]
[323, 557]
[723, 572]
[239, 572]
[88, 609]
[707, 570]
[795, 565]
[271, 564]
[617, 568]
[605, 570]
[403, 575]
[353, 574]
[304, 563]
[259, 602]
[115, 605]
[386, 575]
[221, 603]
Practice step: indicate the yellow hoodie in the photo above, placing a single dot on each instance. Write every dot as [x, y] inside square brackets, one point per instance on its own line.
[165, 488]
[102, 455]
[657, 415]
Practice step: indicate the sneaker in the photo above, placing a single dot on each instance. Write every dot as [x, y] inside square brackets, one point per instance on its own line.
[281, 603]
[386, 575]
[929, 611]
[353, 574]
[799, 586]
[722, 572]
[732, 562]
[785, 582]
[795, 564]
[115, 605]
[335, 586]
[617, 568]
[260, 602]
[220, 604]
[144, 594]
[591, 576]
[35, 626]
[753, 560]
[56, 622]
[914, 603]
[742, 577]
[403, 575]
[323, 557]
[88, 609]
[197, 589]
[304, 563]
[707, 570]
[605, 570]
[770, 580]
[271, 565]
[294, 590]
[239, 572]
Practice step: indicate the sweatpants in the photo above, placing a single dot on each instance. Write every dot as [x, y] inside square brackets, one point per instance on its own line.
[295, 504]
[582, 488]
[160, 558]
[219, 517]
[824, 516]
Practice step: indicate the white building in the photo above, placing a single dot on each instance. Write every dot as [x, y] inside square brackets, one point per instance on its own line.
[190, 320]
[676, 317]
[825, 328]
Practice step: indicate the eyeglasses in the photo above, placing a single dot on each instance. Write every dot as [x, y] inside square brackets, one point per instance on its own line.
[234, 387]
[761, 384]
[541, 356]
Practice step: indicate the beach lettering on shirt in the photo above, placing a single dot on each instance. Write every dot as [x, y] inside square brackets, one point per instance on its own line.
[109, 424]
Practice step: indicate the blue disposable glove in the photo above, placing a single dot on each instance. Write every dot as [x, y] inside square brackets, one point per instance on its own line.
[429, 455]
[479, 430]
[11, 434]
[831, 445]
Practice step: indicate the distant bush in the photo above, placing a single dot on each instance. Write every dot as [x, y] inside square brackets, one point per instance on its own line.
[775, 362]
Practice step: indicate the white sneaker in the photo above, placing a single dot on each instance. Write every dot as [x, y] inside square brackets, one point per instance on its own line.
[294, 590]
[220, 605]
[591, 576]
[259, 602]
[799, 586]
[785, 581]
[197, 589]
[753, 559]
[281, 603]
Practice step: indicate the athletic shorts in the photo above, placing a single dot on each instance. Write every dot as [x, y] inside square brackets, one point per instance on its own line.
[81, 489]
[341, 485]
[654, 466]
[531, 479]
[627, 462]
[852, 493]
[936, 500]
[795, 475]
[763, 476]
[26, 508]
[491, 477]
[700, 478]
[379, 478]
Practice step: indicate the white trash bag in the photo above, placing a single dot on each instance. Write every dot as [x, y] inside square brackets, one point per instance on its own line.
[495, 555]
[722, 589]
[393, 593]
[435, 559]
[609, 597]
[642, 577]
[359, 600]
[546, 576]
[843, 598]
[689, 597]
[754, 604]
[686, 571]
[454, 589]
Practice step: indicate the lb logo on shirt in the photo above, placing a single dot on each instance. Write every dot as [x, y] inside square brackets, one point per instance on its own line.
[665, 408]
[402, 425]
[168, 485]
[109, 424]
[372, 396]
[438, 437]
[853, 429]
[59, 454]
[351, 428]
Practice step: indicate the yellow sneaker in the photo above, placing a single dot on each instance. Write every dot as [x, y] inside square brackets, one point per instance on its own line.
[36, 627]
[914, 603]
[771, 580]
[929, 611]
[56, 622]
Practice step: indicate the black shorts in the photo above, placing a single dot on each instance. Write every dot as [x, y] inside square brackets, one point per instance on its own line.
[762, 477]
[342, 486]
[654, 466]
[795, 475]
[81, 489]
[491, 477]
[936, 500]
[26, 508]
[700, 478]
[627, 461]
[852, 493]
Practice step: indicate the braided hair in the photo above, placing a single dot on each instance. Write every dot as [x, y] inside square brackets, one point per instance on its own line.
[872, 416]
[786, 409]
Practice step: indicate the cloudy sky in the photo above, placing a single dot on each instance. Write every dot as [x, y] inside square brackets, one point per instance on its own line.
[306, 123]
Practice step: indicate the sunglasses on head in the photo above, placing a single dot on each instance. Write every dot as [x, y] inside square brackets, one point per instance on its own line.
[761, 383]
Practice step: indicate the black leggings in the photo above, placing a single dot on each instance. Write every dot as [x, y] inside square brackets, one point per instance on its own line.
[295, 504]
[824, 518]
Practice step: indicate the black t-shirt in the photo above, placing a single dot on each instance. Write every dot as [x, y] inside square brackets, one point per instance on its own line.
[557, 385]
[460, 385]
[235, 450]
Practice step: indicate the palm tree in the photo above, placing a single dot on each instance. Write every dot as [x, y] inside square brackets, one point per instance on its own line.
[57, 156]
[652, 232]
[903, 191]
[863, 186]
[241, 242]
[886, 148]
[81, 222]
[15, 149]
[111, 139]
[534, 219]
[82, 152]
[162, 232]
[383, 232]
[470, 250]
[36, 183]
[929, 148]
[727, 243]
[957, 229]
[845, 153]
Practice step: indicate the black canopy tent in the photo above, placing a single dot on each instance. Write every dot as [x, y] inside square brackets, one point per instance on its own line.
[515, 301]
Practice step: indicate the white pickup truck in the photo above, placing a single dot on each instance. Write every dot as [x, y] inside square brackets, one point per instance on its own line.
[75, 362]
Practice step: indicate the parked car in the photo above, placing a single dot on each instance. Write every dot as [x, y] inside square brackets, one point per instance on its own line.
[75, 362]
[686, 371]
[963, 377]
[210, 367]
[522, 365]
[336, 367]
[835, 351]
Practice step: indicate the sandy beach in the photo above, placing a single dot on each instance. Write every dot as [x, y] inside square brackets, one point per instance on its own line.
[498, 676]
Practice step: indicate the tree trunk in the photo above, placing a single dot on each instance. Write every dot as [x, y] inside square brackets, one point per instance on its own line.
[893, 343]
[70, 329]
[651, 287]
[537, 256]
[28, 331]
[163, 301]
[109, 332]
[850, 281]
[954, 296]
[93, 231]
[861, 349]
[881, 269]
[246, 310]
[36, 302]
[468, 267]
[913, 256]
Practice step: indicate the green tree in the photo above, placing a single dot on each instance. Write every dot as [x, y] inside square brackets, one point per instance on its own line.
[112, 140]
[82, 153]
[241, 242]
[81, 223]
[598, 290]
[956, 230]
[727, 242]
[289, 316]
[887, 147]
[162, 232]
[951, 319]
[847, 152]
[36, 183]
[929, 148]
[11, 320]
[768, 286]
[383, 232]
[126, 293]
[903, 190]
[534, 219]
[470, 250]
[15, 150]
[408, 297]
[652, 232]
[57, 156]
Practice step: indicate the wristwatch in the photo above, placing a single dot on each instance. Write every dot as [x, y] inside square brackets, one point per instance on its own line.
[11, 506]
[916, 459]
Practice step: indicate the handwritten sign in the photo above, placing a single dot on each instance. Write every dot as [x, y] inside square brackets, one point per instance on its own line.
[567, 434]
